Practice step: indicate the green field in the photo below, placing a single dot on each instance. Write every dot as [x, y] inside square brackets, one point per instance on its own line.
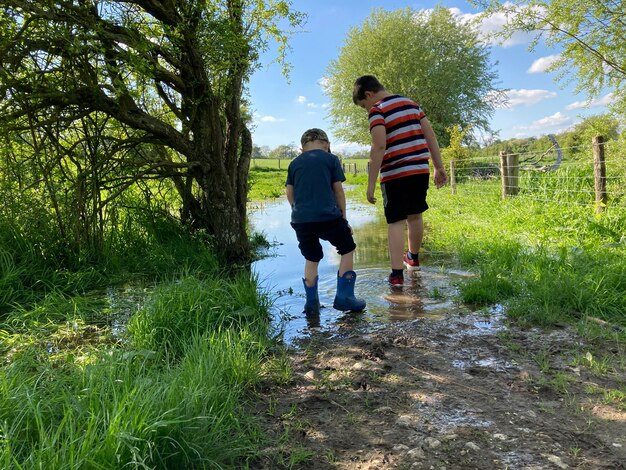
[276, 164]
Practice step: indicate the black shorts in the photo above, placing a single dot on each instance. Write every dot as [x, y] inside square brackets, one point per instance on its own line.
[405, 196]
[337, 232]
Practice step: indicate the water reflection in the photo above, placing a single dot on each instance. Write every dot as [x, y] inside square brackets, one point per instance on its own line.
[426, 293]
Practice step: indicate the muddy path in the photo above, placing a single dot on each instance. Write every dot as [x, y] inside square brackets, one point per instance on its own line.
[418, 381]
[446, 393]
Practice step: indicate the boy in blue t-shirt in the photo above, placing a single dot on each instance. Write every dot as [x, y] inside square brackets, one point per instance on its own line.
[318, 211]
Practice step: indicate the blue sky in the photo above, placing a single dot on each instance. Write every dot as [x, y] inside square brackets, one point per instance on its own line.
[283, 109]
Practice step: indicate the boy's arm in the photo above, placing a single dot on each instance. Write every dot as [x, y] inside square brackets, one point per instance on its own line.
[289, 192]
[340, 196]
[440, 175]
[377, 152]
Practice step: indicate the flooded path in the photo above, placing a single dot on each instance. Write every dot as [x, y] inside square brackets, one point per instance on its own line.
[447, 388]
[429, 292]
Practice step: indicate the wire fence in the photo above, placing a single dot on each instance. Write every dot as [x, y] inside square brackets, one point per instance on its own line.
[596, 177]
[591, 175]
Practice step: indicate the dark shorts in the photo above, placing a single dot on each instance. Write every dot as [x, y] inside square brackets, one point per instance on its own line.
[337, 232]
[405, 196]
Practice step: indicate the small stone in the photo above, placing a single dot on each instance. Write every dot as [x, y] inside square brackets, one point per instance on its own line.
[416, 454]
[406, 421]
[400, 448]
[450, 437]
[311, 376]
[615, 444]
[500, 437]
[470, 445]
[557, 461]
[384, 410]
[432, 442]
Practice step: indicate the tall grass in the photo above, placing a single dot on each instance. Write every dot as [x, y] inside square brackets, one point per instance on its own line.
[145, 246]
[191, 306]
[170, 394]
[548, 260]
[126, 410]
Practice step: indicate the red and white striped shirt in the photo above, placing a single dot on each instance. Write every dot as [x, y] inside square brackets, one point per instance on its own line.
[407, 152]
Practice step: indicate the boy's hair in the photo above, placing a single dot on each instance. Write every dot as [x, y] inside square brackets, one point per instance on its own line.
[363, 84]
[313, 134]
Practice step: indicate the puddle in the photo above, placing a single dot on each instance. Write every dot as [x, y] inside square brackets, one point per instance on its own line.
[492, 363]
[447, 420]
[123, 302]
[427, 293]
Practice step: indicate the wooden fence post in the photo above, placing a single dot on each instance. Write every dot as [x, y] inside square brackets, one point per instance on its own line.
[599, 173]
[513, 174]
[452, 177]
[504, 174]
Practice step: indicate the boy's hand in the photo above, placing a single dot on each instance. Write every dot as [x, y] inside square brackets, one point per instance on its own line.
[370, 196]
[440, 177]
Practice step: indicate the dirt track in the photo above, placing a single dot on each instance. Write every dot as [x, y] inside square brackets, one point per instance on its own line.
[458, 392]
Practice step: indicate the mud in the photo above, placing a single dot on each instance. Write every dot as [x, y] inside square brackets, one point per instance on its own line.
[458, 391]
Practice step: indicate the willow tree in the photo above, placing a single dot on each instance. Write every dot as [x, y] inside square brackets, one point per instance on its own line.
[429, 56]
[590, 37]
[172, 71]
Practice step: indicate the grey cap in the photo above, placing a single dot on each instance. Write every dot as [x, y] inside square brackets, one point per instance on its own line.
[313, 134]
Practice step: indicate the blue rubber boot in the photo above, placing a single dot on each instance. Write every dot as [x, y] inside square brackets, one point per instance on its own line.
[344, 299]
[312, 306]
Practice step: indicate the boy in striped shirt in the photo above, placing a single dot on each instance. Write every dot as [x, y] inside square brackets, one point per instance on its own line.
[403, 141]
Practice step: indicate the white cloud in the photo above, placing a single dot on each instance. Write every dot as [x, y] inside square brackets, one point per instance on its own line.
[323, 83]
[558, 119]
[310, 104]
[347, 147]
[603, 101]
[270, 119]
[527, 97]
[543, 63]
[491, 25]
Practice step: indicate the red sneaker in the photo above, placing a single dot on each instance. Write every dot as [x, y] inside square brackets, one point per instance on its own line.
[410, 263]
[396, 280]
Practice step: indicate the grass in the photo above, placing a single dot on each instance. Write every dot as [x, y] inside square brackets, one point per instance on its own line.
[551, 262]
[83, 386]
[168, 391]
[267, 183]
[169, 394]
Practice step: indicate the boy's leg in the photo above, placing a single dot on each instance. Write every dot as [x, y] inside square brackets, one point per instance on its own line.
[340, 236]
[395, 234]
[310, 272]
[416, 232]
[346, 263]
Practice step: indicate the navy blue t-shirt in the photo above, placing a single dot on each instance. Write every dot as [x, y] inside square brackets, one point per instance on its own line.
[312, 175]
